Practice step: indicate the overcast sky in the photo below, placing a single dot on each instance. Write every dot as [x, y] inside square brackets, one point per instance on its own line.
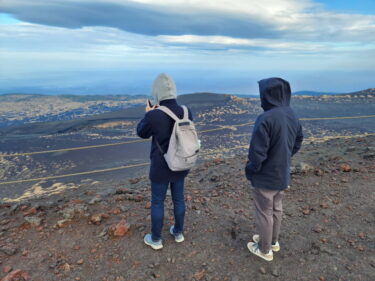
[119, 46]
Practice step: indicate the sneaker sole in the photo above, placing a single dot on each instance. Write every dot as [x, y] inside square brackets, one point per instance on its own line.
[153, 246]
[175, 239]
[274, 248]
[179, 240]
[258, 255]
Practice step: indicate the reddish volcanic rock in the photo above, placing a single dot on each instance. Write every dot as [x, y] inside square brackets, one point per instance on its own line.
[120, 229]
[345, 168]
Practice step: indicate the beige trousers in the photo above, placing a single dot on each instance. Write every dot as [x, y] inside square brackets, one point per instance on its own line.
[268, 215]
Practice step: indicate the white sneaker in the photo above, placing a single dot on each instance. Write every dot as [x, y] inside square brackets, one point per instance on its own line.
[254, 249]
[178, 237]
[275, 247]
[154, 245]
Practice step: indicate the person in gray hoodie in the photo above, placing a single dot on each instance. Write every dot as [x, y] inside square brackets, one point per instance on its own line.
[159, 126]
[277, 136]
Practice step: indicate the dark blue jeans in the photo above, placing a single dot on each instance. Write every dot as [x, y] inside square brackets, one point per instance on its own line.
[158, 193]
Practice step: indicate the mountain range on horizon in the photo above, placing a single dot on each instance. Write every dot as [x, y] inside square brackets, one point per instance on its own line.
[91, 96]
[35, 114]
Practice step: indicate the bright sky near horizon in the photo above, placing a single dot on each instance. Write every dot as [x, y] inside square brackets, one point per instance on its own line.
[119, 46]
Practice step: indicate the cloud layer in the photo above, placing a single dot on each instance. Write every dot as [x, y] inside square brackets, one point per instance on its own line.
[147, 19]
[297, 19]
[225, 37]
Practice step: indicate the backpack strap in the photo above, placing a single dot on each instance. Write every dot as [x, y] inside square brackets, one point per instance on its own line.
[186, 113]
[159, 147]
[169, 112]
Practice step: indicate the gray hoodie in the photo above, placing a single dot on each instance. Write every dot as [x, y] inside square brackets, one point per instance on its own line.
[159, 126]
[163, 88]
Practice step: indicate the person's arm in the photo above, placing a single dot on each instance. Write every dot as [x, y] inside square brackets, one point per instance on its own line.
[259, 145]
[144, 127]
[298, 141]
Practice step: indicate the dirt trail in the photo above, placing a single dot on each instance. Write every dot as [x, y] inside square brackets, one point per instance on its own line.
[327, 232]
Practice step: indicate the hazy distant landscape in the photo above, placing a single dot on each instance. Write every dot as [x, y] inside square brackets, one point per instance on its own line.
[37, 123]
[16, 109]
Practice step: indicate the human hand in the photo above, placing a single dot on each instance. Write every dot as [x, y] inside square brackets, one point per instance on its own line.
[148, 107]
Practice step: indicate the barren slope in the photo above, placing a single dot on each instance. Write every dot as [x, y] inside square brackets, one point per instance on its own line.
[327, 232]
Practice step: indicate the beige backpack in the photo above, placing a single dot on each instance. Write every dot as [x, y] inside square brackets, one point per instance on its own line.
[184, 145]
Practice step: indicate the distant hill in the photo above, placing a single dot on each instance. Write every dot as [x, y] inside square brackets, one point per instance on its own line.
[195, 101]
[370, 91]
[312, 93]
[16, 97]
[198, 102]
[207, 96]
[18, 109]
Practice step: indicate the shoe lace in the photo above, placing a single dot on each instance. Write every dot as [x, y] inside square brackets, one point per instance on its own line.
[258, 249]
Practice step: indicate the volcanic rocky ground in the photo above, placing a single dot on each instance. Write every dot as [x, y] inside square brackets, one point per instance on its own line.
[95, 232]
[91, 227]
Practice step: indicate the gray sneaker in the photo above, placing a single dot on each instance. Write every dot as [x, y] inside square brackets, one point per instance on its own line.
[154, 245]
[275, 247]
[178, 237]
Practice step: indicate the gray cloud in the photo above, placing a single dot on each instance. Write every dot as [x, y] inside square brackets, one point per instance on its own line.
[138, 18]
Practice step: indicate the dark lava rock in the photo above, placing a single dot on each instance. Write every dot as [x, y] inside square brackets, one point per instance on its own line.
[9, 249]
[214, 178]
[318, 172]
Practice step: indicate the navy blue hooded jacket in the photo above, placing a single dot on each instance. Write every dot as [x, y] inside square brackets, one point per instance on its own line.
[159, 126]
[277, 136]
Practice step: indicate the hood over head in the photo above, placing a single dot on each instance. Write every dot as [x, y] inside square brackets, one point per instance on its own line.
[274, 92]
[163, 88]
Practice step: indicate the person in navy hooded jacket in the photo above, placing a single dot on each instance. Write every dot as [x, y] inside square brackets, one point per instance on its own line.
[277, 136]
[159, 126]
